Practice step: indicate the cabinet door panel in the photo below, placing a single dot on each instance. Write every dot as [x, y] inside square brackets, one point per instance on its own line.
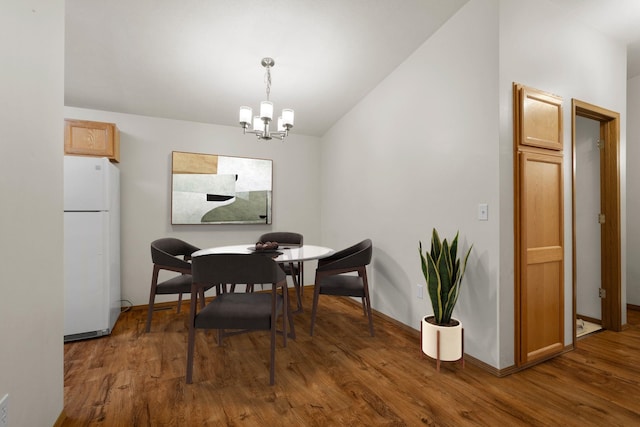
[541, 281]
[541, 118]
[89, 138]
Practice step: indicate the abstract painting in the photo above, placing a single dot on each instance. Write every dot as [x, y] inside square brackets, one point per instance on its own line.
[214, 189]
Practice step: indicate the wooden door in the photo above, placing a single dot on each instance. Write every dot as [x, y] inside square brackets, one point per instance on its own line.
[539, 229]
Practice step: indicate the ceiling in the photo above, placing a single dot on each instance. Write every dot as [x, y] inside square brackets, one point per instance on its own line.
[619, 19]
[199, 60]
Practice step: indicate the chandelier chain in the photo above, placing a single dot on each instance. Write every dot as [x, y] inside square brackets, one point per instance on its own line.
[267, 80]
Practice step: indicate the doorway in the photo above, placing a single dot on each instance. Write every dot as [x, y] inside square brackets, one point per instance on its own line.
[604, 180]
[587, 226]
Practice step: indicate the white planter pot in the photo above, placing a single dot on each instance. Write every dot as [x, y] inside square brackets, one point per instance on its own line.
[450, 340]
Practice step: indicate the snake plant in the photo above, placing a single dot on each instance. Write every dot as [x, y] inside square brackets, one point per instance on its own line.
[443, 274]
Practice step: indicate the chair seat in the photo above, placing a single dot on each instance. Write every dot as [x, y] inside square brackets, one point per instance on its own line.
[239, 311]
[176, 285]
[343, 285]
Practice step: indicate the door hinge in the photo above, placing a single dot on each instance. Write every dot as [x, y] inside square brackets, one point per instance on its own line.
[602, 293]
[600, 218]
[600, 144]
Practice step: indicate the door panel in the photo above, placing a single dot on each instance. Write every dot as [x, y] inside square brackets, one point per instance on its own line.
[543, 309]
[541, 119]
[542, 290]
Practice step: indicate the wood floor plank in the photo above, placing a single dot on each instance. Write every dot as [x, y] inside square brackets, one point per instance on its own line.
[340, 376]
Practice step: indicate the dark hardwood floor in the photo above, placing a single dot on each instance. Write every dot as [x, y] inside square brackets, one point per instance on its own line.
[340, 377]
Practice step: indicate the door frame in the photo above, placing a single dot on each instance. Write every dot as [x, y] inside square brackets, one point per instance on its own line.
[611, 271]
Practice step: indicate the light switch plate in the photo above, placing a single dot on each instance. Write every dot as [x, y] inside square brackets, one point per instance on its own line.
[483, 212]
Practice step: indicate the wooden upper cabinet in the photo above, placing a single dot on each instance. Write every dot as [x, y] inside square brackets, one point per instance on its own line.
[538, 225]
[88, 138]
[540, 118]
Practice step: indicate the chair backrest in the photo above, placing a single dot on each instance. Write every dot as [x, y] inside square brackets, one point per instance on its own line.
[166, 250]
[354, 256]
[286, 237]
[236, 269]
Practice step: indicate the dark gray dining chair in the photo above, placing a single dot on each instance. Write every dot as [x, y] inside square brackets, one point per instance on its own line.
[334, 276]
[293, 269]
[234, 313]
[173, 255]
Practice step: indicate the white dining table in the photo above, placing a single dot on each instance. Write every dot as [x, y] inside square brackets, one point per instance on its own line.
[286, 254]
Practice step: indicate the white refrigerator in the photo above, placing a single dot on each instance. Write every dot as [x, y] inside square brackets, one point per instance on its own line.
[91, 247]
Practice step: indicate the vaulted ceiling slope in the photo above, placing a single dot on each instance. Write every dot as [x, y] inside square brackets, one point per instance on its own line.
[199, 60]
[619, 19]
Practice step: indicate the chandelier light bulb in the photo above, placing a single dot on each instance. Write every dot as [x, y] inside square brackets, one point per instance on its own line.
[245, 116]
[287, 117]
[257, 124]
[266, 110]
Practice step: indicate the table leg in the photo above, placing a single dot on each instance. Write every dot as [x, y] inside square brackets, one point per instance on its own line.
[296, 285]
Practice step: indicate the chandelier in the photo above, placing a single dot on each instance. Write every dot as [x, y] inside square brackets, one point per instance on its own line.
[261, 122]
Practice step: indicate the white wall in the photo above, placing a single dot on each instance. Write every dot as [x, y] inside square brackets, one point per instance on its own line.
[436, 138]
[31, 267]
[146, 144]
[633, 190]
[421, 151]
[541, 47]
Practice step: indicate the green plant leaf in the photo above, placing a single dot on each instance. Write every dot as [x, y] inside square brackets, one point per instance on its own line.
[443, 273]
[444, 270]
[436, 245]
[434, 287]
[454, 255]
[423, 262]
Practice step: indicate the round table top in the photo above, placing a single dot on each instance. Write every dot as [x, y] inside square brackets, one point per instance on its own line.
[289, 253]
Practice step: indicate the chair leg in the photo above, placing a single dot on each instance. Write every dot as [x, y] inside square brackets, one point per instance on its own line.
[369, 316]
[367, 302]
[292, 328]
[286, 315]
[191, 339]
[179, 303]
[301, 277]
[297, 285]
[272, 372]
[274, 325]
[202, 298]
[152, 297]
[316, 294]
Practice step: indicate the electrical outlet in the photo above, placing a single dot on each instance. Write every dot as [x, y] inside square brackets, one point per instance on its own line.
[420, 291]
[4, 411]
